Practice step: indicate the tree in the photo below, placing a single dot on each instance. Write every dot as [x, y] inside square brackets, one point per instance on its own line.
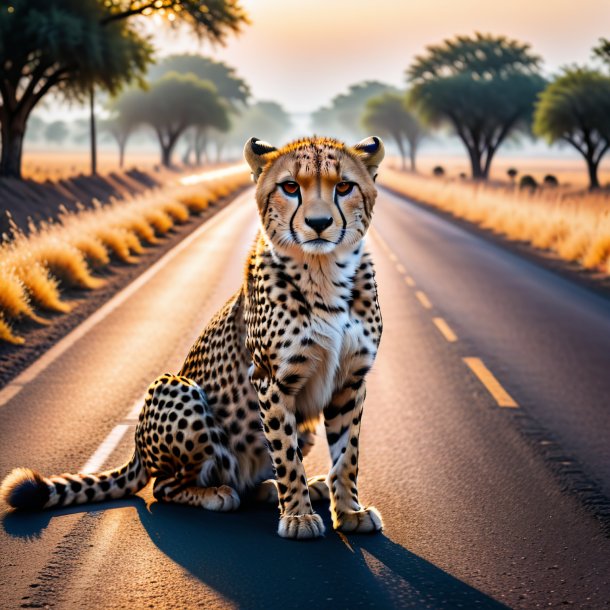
[265, 120]
[387, 114]
[56, 132]
[179, 101]
[342, 118]
[124, 120]
[213, 19]
[575, 108]
[484, 86]
[60, 46]
[230, 86]
[602, 50]
[70, 46]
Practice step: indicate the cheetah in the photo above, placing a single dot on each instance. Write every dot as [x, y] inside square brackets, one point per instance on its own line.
[292, 346]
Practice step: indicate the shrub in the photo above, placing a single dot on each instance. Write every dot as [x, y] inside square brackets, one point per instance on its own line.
[438, 171]
[550, 181]
[528, 182]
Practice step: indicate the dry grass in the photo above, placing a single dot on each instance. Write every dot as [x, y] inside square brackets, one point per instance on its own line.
[573, 225]
[35, 268]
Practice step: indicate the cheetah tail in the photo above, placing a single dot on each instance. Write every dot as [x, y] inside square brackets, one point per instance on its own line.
[25, 489]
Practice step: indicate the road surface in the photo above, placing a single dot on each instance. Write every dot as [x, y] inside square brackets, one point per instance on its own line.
[475, 514]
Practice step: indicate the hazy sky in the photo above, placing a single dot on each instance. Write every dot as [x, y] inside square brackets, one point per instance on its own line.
[303, 52]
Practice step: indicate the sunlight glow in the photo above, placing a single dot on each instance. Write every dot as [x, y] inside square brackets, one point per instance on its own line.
[213, 175]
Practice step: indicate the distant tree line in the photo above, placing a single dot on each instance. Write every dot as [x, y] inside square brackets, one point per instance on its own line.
[486, 89]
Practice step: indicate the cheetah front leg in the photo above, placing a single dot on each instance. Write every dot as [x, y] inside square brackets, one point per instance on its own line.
[342, 421]
[297, 518]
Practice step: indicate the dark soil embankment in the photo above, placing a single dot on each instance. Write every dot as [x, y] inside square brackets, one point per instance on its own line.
[41, 201]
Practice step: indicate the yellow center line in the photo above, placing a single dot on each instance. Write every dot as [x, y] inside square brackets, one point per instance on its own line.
[445, 329]
[409, 281]
[486, 377]
[401, 269]
[423, 299]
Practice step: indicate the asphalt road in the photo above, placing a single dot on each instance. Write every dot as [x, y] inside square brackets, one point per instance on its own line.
[475, 514]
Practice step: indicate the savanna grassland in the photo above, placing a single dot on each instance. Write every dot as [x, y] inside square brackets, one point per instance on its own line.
[567, 220]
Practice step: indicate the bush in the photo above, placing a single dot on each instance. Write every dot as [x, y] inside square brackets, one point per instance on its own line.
[528, 182]
[438, 171]
[550, 180]
[511, 172]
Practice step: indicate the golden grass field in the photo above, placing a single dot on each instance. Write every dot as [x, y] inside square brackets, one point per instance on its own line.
[56, 164]
[572, 223]
[35, 269]
[569, 172]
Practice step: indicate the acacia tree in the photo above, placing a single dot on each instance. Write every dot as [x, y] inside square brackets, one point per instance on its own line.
[176, 102]
[342, 117]
[124, 120]
[70, 46]
[229, 85]
[602, 50]
[484, 87]
[60, 46]
[387, 114]
[575, 108]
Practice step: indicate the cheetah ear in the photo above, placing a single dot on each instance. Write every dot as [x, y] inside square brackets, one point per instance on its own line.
[371, 151]
[255, 153]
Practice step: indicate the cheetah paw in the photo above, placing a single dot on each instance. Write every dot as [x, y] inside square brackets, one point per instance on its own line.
[221, 499]
[365, 521]
[301, 527]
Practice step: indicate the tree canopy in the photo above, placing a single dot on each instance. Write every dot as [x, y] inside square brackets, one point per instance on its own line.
[341, 118]
[214, 19]
[176, 102]
[575, 108]
[602, 50]
[387, 115]
[484, 87]
[59, 45]
[228, 84]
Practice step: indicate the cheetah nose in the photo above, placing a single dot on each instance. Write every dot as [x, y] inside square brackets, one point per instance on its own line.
[319, 224]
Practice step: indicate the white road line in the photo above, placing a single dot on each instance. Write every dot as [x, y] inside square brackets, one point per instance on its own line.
[37, 367]
[109, 444]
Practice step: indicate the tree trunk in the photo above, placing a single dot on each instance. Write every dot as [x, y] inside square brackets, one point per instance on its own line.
[122, 146]
[92, 130]
[592, 167]
[401, 150]
[475, 164]
[13, 131]
[166, 155]
[412, 155]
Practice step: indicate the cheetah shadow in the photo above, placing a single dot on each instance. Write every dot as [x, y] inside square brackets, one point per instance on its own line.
[240, 556]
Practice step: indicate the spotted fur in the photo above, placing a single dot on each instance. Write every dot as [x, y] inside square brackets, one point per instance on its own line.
[293, 345]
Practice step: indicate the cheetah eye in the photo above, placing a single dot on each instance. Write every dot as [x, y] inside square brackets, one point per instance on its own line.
[343, 188]
[290, 188]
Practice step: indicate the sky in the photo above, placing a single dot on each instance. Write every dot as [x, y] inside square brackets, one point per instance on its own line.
[303, 52]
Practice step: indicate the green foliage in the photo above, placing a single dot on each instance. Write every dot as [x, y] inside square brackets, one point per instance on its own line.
[602, 50]
[228, 84]
[341, 118]
[212, 19]
[387, 115]
[48, 43]
[267, 121]
[575, 108]
[173, 104]
[484, 86]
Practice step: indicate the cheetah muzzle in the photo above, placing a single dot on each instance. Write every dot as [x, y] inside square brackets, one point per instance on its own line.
[292, 346]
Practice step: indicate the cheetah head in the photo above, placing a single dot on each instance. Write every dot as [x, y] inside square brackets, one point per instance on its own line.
[315, 195]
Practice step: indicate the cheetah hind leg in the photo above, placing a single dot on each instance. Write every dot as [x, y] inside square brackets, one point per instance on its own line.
[171, 489]
[318, 490]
